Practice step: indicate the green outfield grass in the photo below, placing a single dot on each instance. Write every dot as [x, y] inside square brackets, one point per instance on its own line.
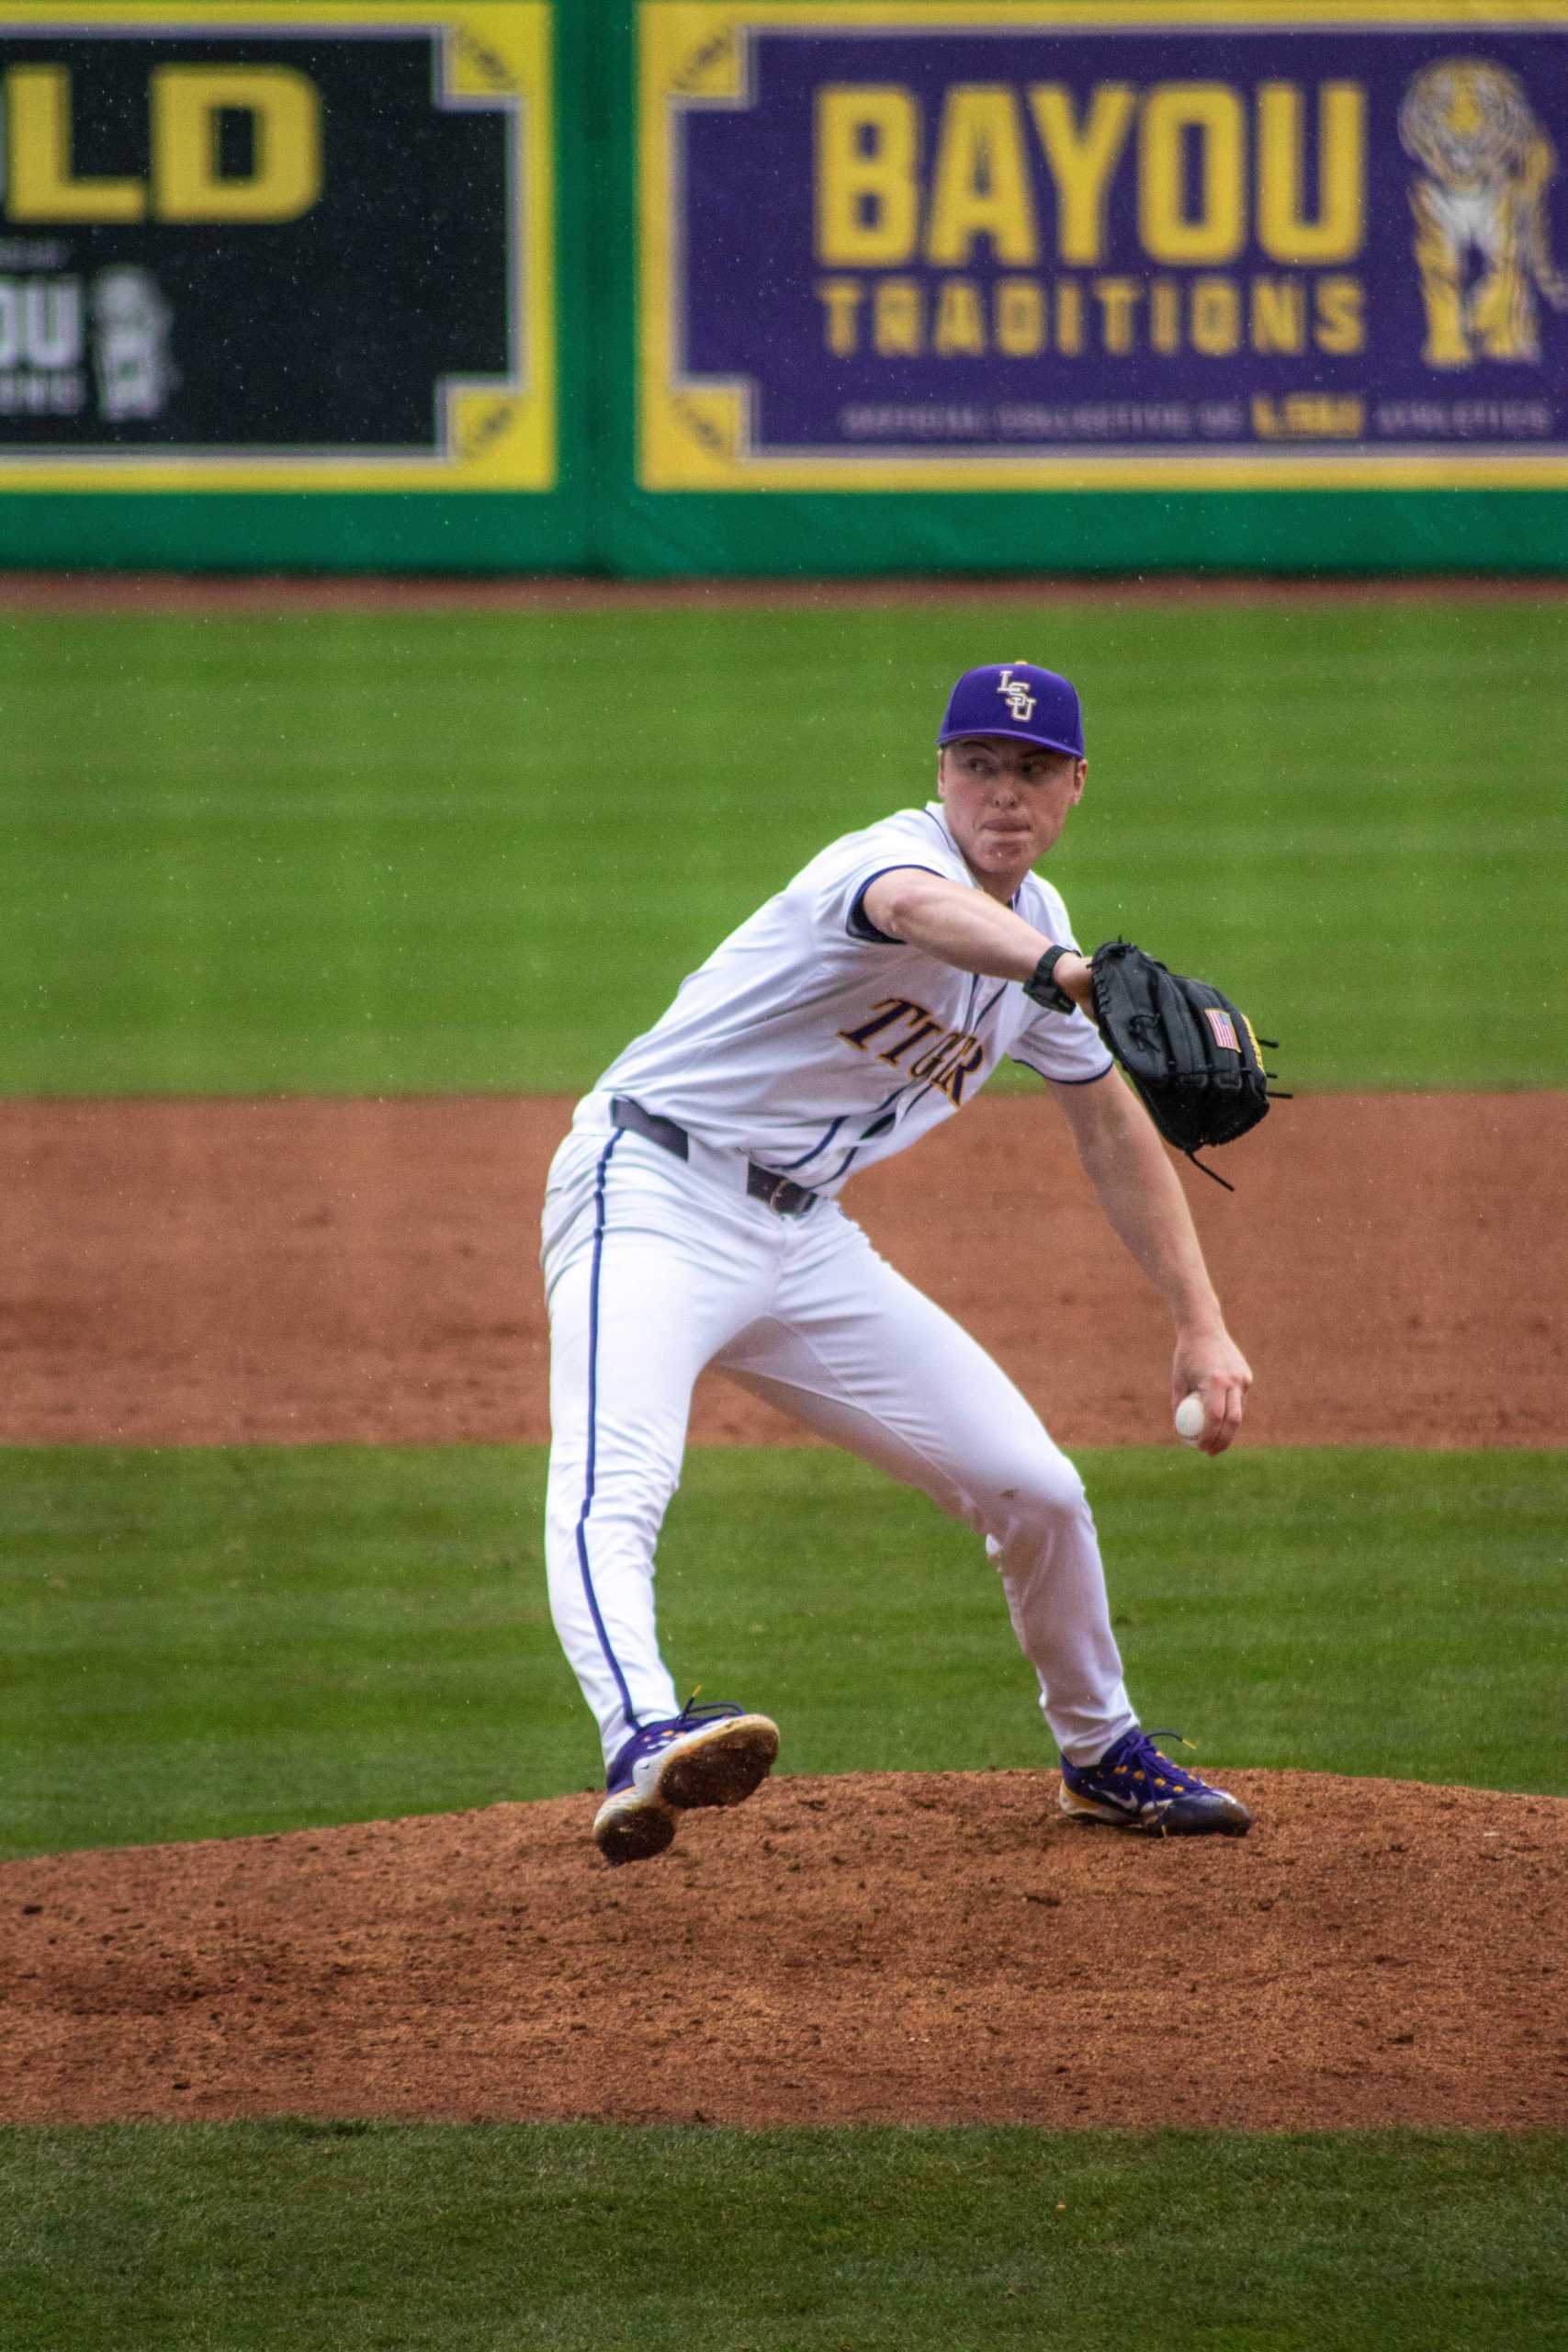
[273, 2237]
[204, 1643]
[407, 854]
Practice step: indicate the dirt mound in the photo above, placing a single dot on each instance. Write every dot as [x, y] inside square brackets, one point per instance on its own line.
[214, 1272]
[895, 1948]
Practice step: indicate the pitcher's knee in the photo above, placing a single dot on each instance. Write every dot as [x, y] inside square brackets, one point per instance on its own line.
[1044, 1490]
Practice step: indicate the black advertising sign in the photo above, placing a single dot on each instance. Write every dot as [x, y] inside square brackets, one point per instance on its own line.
[311, 251]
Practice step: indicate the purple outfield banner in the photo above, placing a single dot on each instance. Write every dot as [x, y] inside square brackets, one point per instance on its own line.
[988, 246]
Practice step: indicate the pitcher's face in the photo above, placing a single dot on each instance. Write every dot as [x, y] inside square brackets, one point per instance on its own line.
[1006, 804]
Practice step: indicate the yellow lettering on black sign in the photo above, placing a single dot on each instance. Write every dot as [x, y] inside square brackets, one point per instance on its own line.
[184, 104]
[285, 108]
[41, 173]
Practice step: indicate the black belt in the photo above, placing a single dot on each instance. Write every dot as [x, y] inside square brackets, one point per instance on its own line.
[786, 1199]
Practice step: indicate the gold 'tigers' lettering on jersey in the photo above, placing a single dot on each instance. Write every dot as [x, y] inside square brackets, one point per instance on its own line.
[947, 1064]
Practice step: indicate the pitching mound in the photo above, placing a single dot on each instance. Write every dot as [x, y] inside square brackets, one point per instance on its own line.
[914, 1948]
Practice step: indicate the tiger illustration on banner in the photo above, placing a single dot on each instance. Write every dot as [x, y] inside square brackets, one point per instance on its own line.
[1482, 242]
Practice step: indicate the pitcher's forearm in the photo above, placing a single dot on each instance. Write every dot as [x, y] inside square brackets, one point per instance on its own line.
[1143, 1200]
[965, 928]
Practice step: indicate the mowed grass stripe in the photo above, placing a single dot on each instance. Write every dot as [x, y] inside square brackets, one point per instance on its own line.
[208, 1643]
[432, 853]
[254, 2237]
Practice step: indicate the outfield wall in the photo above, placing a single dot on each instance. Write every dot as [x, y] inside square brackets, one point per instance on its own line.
[654, 287]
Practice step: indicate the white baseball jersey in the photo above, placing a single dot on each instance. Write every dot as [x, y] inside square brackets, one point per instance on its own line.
[816, 1046]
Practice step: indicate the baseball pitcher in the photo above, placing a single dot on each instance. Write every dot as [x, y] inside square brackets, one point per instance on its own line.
[693, 1219]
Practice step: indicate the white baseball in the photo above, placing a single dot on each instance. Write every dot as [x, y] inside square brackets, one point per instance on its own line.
[1190, 1419]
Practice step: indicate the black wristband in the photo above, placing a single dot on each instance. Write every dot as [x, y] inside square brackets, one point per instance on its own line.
[1041, 982]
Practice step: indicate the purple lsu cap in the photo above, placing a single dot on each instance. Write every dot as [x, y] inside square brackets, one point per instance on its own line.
[1015, 698]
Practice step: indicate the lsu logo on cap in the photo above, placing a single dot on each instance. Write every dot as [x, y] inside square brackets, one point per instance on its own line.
[1036, 704]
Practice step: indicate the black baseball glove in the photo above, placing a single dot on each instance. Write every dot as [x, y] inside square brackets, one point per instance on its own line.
[1191, 1054]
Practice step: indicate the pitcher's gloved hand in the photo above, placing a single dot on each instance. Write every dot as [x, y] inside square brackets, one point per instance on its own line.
[1189, 1051]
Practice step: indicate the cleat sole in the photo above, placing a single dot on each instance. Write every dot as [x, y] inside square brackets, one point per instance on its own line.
[721, 1765]
[632, 1828]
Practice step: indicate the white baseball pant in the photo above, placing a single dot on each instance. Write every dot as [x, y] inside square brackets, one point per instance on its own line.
[656, 1268]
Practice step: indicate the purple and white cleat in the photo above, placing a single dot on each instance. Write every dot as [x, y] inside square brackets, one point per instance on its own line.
[703, 1755]
[1134, 1787]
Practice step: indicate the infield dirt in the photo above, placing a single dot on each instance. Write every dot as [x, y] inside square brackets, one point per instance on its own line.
[224, 1272]
[899, 1948]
